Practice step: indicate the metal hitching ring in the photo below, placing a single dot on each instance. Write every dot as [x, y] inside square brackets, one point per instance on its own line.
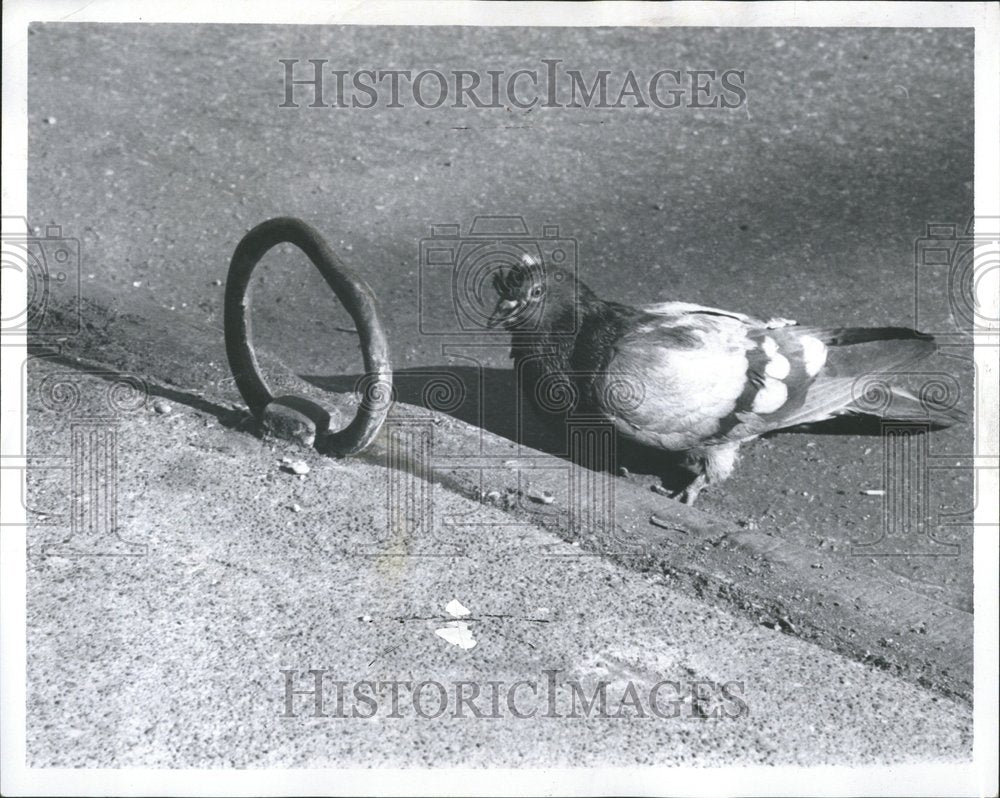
[356, 297]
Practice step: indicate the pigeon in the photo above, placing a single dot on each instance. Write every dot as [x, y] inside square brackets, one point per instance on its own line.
[697, 381]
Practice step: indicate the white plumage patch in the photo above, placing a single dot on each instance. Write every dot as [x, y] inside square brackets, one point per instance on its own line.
[813, 354]
[777, 364]
[772, 395]
[778, 367]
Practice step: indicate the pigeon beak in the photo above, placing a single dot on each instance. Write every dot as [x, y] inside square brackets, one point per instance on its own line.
[505, 309]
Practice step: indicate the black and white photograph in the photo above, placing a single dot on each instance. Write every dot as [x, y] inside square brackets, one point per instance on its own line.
[500, 398]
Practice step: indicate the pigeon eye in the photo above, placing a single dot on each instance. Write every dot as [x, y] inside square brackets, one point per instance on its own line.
[537, 291]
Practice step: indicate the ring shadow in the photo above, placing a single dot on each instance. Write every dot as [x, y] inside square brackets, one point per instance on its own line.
[489, 398]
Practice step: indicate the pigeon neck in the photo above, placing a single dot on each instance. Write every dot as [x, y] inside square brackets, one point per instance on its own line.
[555, 343]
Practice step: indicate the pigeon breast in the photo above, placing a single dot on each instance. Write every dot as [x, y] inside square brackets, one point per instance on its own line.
[679, 379]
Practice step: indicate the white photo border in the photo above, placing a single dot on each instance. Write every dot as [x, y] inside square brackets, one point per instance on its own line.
[977, 778]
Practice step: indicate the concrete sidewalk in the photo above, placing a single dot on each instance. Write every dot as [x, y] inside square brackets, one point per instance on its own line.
[233, 570]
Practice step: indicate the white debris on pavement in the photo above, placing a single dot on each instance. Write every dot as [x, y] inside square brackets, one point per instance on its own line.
[455, 609]
[457, 633]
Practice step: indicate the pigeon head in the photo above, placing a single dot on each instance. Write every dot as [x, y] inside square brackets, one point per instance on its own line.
[534, 296]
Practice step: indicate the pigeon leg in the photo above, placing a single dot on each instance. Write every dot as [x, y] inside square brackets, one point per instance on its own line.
[711, 465]
[690, 493]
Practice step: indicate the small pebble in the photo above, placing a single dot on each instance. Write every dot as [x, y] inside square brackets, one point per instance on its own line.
[50, 120]
[296, 508]
[216, 282]
[296, 467]
[541, 496]
[137, 284]
[873, 492]
[161, 407]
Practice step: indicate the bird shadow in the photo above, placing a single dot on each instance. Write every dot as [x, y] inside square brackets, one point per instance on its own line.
[489, 398]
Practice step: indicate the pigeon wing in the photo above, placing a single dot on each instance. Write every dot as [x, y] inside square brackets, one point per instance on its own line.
[801, 375]
[679, 309]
